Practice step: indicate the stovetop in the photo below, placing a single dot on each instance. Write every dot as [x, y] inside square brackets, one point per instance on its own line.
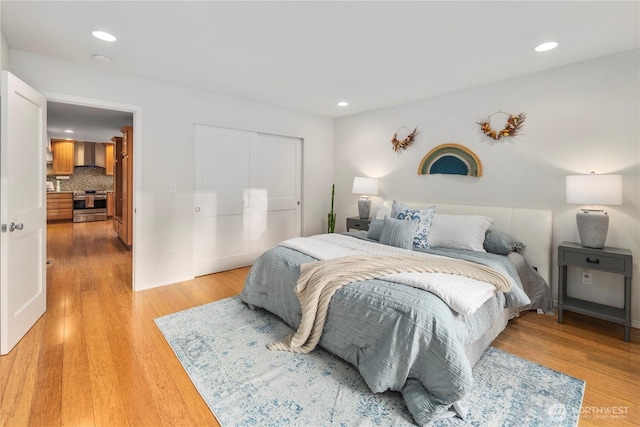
[81, 192]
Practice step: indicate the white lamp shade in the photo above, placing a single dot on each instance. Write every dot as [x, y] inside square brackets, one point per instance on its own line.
[594, 189]
[368, 186]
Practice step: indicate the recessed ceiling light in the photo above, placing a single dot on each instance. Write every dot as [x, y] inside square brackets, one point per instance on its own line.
[343, 104]
[103, 35]
[546, 46]
[101, 58]
[68, 139]
[68, 131]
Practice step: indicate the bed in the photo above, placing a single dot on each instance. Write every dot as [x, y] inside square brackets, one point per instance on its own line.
[397, 328]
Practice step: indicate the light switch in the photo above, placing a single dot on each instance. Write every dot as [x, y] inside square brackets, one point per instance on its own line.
[173, 188]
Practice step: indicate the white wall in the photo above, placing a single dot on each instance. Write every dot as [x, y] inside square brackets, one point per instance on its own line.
[169, 114]
[4, 55]
[4, 51]
[580, 118]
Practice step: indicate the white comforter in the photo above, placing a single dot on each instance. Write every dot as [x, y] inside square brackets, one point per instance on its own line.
[462, 294]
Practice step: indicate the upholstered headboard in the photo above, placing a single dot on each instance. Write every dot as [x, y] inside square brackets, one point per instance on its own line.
[533, 227]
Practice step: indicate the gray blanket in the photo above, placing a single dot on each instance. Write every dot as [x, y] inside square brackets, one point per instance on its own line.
[399, 337]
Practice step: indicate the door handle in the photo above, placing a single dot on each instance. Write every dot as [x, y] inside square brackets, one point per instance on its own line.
[14, 226]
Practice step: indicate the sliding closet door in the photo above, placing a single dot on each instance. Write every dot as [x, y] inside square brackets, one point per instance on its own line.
[222, 174]
[247, 193]
[275, 191]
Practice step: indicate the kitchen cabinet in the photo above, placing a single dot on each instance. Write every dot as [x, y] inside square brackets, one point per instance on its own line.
[117, 185]
[108, 158]
[63, 156]
[127, 137]
[59, 206]
[117, 225]
[123, 185]
[110, 204]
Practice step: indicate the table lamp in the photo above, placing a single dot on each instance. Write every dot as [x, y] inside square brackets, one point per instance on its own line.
[593, 189]
[365, 187]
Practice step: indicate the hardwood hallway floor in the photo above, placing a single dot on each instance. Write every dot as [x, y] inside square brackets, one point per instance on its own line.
[96, 357]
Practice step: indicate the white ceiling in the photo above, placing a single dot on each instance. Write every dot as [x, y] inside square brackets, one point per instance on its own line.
[89, 124]
[307, 56]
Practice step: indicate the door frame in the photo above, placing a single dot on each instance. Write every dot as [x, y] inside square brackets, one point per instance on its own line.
[137, 161]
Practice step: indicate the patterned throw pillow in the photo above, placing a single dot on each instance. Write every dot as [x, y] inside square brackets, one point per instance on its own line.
[424, 216]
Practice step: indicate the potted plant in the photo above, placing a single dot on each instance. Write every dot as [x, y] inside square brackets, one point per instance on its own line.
[331, 217]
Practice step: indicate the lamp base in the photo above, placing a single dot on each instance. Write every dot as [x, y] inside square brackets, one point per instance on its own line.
[592, 228]
[364, 207]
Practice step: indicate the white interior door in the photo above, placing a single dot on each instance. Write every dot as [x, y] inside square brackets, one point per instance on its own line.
[247, 196]
[22, 210]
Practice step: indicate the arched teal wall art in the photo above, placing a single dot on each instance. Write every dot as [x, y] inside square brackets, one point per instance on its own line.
[452, 159]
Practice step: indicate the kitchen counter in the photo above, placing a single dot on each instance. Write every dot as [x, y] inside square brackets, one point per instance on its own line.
[59, 205]
[71, 191]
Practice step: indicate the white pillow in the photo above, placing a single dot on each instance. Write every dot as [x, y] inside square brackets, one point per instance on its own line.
[459, 231]
[383, 212]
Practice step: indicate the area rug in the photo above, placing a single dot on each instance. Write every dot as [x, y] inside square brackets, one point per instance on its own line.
[222, 346]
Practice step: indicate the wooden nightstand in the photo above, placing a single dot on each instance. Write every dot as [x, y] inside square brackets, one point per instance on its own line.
[612, 260]
[357, 223]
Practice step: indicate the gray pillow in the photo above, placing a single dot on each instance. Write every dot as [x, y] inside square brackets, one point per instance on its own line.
[398, 232]
[375, 229]
[501, 243]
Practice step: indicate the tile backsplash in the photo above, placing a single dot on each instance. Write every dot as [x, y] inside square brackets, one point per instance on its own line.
[85, 178]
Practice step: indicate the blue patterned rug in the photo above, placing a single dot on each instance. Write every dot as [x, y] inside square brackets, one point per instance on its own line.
[222, 346]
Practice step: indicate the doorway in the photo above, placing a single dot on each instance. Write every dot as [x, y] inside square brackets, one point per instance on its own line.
[97, 121]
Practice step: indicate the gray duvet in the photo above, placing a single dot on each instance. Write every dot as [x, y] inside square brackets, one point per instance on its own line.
[399, 337]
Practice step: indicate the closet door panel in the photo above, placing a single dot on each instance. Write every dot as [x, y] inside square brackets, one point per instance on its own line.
[276, 177]
[279, 225]
[222, 174]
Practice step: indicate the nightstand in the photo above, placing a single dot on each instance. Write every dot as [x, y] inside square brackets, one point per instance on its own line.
[612, 260]
[357, 223]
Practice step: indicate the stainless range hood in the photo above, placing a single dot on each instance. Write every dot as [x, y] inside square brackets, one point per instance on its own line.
[89, 154]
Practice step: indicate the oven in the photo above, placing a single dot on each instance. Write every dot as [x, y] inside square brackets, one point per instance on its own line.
[89, 205]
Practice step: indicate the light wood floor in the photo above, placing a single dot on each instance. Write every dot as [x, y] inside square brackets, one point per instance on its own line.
[97, 358]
